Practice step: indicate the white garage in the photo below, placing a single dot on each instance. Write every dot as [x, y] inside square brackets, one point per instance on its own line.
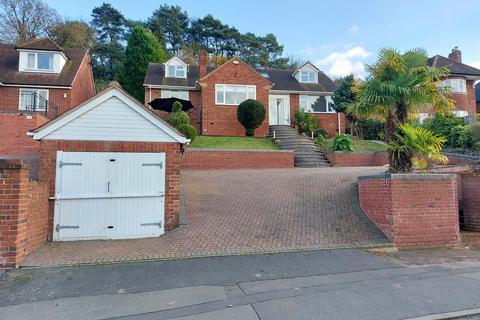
[109, 161]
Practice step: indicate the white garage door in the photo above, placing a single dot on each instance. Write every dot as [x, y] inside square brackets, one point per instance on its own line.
[104, 195]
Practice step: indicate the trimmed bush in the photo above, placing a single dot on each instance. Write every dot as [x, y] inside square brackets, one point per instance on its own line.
[188, 131]
[176, 107]
[442, 125]
[342, 142]
[251, 114]
[179, 118]
[460, 136]
[475, 129]
[370, 129]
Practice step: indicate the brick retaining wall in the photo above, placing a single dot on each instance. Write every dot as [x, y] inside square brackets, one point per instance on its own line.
[413, 210]
[471, 200]
[358, 158]
[23, 212]
[204, 159]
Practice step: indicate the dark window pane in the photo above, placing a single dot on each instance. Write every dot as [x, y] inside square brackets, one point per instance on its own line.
[320, 105]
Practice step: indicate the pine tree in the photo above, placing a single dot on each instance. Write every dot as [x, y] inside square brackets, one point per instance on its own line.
[142, 48]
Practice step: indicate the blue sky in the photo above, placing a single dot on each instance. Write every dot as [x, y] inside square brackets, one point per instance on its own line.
[338, 36]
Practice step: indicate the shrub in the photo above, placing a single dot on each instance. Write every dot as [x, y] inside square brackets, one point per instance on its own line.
[251, 114]
[475, 129]
[299, 117]
[460, 136]
[442, 125]
[176, 107]
[177, 119]
[321, 140]
[320, 132]
[310, 123]
[476, 146]
[342, 142]
[370, 129]
[188, 131]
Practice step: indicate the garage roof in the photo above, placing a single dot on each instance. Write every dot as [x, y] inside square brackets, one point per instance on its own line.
[111, 115]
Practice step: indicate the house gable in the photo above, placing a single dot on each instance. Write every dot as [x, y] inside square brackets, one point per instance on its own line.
[307, 68]
[176, 68]
[112, 115]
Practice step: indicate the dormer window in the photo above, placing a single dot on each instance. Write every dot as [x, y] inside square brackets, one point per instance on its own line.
[175, 68]
[176, 71]
[40, 61]
[307, 76]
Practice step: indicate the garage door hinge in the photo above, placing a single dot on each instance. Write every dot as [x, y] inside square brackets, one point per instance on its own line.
[70, 164]
[159, 224]
[58, 227]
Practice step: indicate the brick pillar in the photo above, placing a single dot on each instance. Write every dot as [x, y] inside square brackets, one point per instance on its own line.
[14, 176]
[471, 201]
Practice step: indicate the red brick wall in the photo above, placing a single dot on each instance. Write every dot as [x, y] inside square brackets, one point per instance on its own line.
[49, 148]
[205, 159]
[294, 106]
[471, 200]
[194, 114]
[358, 159]
[23, 212]
[221, 120]
[14, 140]
[413, 210]
[329, 122]
[83, 87]
[466, 101]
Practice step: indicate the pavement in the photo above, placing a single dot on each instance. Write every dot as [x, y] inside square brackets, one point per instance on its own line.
[236, 212]
[323, 284]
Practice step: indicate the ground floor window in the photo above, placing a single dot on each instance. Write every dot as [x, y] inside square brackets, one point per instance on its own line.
[316, 104]
[179, 94]
[229, 94]
[33, 99]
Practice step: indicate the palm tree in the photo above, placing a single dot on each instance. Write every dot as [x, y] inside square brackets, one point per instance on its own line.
[419, 144]
[397, 86]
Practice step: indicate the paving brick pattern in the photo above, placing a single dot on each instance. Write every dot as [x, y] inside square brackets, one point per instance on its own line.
[242, 212]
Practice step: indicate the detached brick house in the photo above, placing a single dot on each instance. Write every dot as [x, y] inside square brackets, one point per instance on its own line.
[216, 93]
[462, 81]
[39, 80]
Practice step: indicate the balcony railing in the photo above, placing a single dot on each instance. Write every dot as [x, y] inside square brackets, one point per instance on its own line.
[27, 102]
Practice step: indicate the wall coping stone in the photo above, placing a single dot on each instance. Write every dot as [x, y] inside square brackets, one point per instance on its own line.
[237, 150]
[409, 176]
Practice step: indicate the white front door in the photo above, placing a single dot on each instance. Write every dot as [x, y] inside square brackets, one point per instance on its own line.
[109, 195]
[279, 109]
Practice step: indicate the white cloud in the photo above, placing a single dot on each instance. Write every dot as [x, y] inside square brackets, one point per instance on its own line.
[342, 63]
[353, 28]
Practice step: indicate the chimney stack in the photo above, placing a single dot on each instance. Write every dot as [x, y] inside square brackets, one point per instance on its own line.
[202, 63]
[455, 55]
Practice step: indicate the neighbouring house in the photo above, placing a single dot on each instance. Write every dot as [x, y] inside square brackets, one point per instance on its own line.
[477, 95]
[462, 81]
[216, 92]
[39, 80]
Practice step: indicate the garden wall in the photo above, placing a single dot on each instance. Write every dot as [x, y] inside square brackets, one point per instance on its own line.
[23, 212]
[413, 210]
[358, 158]
[205, 159]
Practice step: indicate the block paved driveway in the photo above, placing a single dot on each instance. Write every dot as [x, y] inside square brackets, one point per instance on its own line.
[241, 212]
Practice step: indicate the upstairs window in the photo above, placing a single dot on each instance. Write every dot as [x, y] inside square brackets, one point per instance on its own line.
[40, 61]
[457, 85]
[232, 94]
[316, 104]
[175, 71]
[180, 94]
[33, 100]
[307, 76]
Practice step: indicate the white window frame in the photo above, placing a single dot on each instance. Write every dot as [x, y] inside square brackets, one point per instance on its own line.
[35, 67]
[248, 89]
[175, 94]
[457, 85]
[306, 102]
[310, 76]
[37, 92]
[176, 69]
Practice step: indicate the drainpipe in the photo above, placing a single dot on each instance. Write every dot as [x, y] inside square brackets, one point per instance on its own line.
[149, 93]
[339, 123]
